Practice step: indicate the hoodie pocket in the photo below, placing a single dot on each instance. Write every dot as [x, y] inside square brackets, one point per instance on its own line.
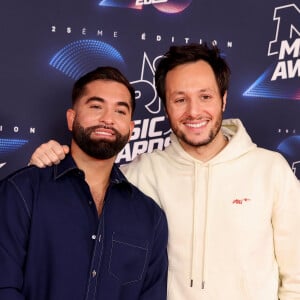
[128, 258]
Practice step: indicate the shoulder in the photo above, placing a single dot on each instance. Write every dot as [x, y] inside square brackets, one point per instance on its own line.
[19, 188]
[145, 205]
[26, 180]
[145, 161]
[269, 155]
[144, 200]
[274, 163]
[20, 175]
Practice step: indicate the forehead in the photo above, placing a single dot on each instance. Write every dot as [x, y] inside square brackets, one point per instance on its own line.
[108, 90]
[198, 73]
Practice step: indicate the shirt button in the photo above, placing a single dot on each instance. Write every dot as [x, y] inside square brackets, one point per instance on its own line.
[94, 273]
[90, 202]
[94, 236]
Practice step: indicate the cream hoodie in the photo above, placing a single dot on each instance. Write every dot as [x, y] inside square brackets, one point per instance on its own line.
[234, 221]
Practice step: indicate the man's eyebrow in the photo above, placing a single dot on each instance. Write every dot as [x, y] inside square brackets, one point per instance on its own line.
[201, 90]
[99, 99]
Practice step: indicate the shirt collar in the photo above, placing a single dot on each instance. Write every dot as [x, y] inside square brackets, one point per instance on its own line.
[68, 167]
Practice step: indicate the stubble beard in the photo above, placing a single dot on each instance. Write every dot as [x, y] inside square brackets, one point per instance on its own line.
[211, 136]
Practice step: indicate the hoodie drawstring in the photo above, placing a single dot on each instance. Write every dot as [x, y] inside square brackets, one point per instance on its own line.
[193, 228]
[204, 242]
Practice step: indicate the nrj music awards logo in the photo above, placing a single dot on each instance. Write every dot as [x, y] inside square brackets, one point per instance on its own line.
[152, 129]
[281, 79]
[151, 126]
[164, 6]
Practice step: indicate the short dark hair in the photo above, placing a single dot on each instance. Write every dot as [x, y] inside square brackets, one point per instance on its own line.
[102, 73]
[178, 55]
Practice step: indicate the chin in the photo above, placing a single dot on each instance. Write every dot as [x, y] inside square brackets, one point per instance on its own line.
[197, 142]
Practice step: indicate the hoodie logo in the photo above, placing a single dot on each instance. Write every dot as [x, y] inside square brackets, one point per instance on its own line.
[240, 201]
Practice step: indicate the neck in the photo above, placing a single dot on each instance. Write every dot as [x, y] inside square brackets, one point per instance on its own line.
[97, 174]
[91, 165]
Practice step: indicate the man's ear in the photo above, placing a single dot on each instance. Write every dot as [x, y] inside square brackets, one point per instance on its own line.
[224, 101]
[70, 115]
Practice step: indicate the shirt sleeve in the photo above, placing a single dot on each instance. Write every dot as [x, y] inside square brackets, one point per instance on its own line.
[155, 285]
[14, 226]
[286, 227]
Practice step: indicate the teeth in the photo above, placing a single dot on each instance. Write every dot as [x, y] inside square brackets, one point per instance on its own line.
[103, 133]
[193, 125]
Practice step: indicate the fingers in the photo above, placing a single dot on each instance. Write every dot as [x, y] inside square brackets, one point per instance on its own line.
[66, 149]
[48, 154]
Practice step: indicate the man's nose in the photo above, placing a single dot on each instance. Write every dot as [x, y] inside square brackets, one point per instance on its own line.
[194, 107]
[107, 116]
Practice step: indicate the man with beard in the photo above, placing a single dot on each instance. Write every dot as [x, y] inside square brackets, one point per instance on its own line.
[233, 208]
[80, 230]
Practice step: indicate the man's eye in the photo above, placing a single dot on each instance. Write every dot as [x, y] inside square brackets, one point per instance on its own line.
[205, 97]
[95, 106]
[120, 111]
[179, 100]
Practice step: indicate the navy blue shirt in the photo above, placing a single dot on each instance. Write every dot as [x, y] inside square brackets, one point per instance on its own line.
[54, 246]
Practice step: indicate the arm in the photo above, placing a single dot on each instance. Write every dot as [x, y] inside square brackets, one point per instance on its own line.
[48, 154]
[155, 285]
[14, 228]
[286, 227]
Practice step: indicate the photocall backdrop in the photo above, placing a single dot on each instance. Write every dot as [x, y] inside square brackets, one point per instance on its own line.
[47, 45]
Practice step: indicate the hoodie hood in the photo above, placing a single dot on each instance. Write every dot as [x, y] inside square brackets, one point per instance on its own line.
[239, 144]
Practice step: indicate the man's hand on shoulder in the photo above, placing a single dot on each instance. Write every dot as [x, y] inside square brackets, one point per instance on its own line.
[48, 154]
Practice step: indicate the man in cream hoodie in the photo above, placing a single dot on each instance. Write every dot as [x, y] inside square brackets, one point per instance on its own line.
[233, 208]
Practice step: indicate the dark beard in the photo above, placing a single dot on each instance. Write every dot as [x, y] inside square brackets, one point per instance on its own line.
[100, 149]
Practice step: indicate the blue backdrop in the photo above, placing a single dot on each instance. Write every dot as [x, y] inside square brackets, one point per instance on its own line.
[47, 45]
